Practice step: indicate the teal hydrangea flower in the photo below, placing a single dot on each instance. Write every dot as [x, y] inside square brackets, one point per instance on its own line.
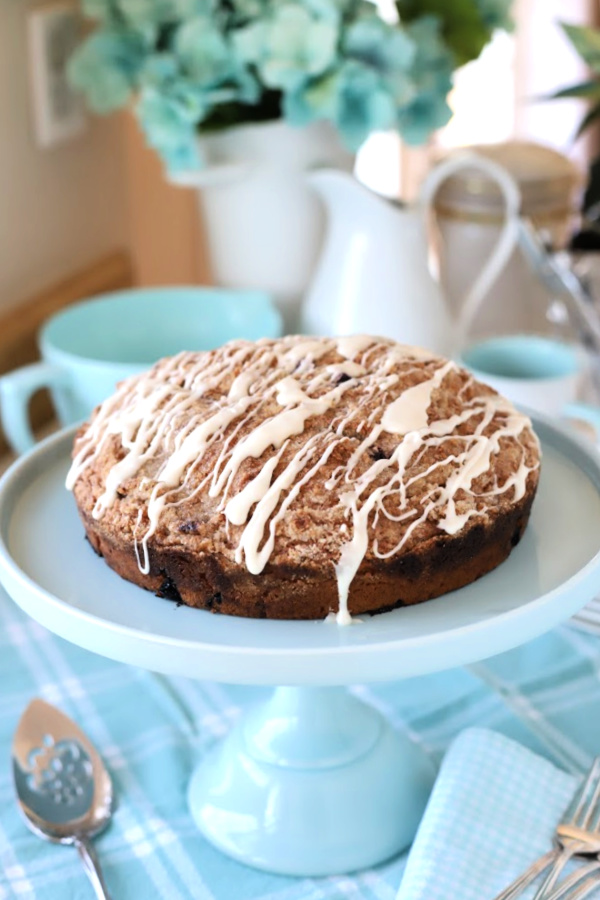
[289, 47]
[102, 10]
[194, 64]
[433, 63]
[208, 59]
[312, 101]
[248, 10]
[431, 72]
[106, 67]
[496, 14]
[363, 104]
[204, 52]
[390, 78]
[161, 71]
[173, 103]
[388, 51]
[163, 75]
[355, 98]
[169, 127]
[328, 10]
[182, 10]
[146, 16]
[417, 121]
[150, 16]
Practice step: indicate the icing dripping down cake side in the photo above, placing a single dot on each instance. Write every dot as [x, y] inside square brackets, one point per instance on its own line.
[291, 478]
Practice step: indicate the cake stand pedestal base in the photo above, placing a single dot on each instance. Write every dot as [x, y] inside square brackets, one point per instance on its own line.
[311, 782]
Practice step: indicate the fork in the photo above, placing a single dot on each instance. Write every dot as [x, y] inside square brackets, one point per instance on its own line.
[579, 810]
[581, 837]
[579, 880]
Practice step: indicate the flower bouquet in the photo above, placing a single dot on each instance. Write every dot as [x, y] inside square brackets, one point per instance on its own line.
[201, 65]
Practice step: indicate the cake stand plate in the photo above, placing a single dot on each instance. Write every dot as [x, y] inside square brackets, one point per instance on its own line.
[311, 782]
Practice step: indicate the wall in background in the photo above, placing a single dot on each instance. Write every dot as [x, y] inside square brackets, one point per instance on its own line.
[499, 96]
[545, 61]
[166, 239]
[62, 208]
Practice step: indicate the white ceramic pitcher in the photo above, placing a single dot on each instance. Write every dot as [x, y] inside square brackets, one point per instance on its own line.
[374, 275]
[264, 225]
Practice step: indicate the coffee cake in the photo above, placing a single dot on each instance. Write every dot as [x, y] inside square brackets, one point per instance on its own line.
[297, 477]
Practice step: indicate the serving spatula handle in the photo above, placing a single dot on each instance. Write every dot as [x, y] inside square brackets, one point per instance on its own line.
[91, 864]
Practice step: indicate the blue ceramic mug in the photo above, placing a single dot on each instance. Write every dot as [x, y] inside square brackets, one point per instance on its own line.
[88, 347]
[537, 372]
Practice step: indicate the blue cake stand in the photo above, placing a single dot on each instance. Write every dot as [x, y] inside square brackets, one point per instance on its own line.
[311, 782]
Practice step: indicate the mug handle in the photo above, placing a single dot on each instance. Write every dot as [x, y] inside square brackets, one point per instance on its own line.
[507, 239]
[16, 390]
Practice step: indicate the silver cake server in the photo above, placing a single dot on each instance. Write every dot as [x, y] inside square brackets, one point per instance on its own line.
[62, 785]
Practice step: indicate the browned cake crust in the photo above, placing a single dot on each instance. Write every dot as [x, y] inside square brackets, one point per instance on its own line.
[440, 565]
[191, 554]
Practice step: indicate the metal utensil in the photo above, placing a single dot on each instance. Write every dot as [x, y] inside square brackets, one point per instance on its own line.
[581, 838]
[560, 280]
[580, 810]
[63, 788]
[578, 885]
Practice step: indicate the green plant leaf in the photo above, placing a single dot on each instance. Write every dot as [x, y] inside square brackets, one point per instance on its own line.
[589, 90]
[588, 119]
[586, 42]
[462, 27]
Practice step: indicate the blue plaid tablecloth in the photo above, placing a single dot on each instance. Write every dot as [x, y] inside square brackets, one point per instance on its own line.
[151, 730]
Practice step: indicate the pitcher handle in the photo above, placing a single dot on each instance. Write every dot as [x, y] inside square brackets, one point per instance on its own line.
[507, 238]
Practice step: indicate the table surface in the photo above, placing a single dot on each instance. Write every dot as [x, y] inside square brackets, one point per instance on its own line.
[151, 729]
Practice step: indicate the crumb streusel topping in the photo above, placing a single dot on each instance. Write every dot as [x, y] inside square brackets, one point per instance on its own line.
[380, 443]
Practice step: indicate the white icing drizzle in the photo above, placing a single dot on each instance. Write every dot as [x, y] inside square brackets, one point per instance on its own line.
[354, 344]
[156, 416]
[409, 411]
[349, 368]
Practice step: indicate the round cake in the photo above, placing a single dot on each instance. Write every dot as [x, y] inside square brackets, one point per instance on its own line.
[299, 477]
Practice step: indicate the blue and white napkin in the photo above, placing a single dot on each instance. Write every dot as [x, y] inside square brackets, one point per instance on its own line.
[493, 810]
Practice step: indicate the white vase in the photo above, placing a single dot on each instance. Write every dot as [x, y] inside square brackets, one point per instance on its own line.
[264, 224]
